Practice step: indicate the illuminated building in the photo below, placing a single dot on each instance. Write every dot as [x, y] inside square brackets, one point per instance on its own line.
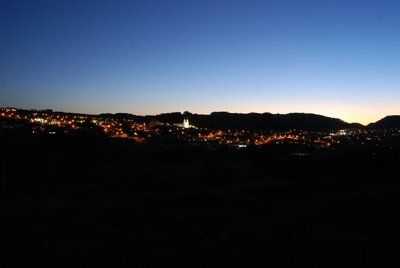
[186, 123]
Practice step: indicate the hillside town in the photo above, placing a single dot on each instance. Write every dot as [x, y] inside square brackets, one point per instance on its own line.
[47, 122]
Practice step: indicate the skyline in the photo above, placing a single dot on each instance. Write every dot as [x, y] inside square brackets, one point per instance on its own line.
[45, 109]
[338, 59]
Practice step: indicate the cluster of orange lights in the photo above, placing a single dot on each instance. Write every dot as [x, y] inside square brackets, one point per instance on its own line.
[9, 113]
[141, 132]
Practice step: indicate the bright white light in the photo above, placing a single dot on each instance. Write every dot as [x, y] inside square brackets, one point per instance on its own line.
[186, 123]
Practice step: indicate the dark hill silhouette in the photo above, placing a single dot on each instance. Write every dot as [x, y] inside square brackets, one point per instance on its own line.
[257, 121]
[392, 121]
[250, 121]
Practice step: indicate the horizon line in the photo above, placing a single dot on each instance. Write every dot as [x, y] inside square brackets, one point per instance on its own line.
[168, 112]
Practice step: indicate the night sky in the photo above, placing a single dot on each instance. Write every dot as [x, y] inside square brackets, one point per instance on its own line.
[336, 58]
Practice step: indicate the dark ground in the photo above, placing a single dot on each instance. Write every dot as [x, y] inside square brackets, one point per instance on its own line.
[74, 201]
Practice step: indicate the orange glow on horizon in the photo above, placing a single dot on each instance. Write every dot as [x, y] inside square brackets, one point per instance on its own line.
[364, 113]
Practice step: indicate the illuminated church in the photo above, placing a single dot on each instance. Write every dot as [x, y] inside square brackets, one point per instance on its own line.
[185, 124]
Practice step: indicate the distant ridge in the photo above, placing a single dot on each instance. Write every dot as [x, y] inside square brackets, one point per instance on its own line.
[251, 121]
[392, 121]
[258, 121]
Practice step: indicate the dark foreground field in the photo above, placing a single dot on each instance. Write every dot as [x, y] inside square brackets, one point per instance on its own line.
[76, 201]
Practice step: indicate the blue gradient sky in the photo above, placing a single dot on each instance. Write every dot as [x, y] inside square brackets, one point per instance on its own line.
[337, 58]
